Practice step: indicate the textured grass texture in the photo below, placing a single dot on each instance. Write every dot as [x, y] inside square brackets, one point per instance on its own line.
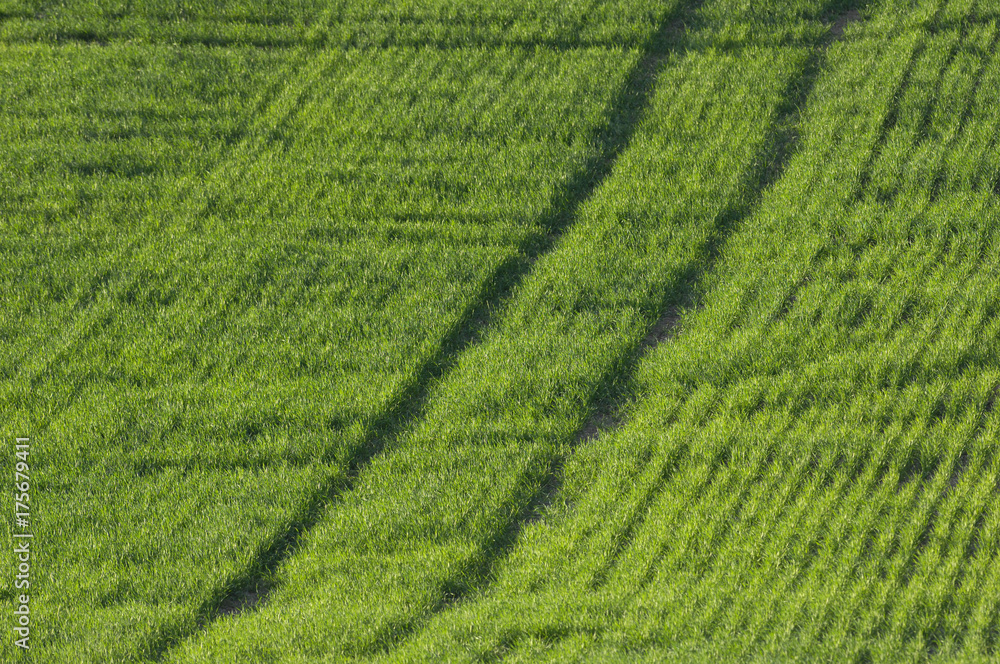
[525, 331]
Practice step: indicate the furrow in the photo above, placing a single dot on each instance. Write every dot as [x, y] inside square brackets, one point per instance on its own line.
[479, 318]
[608, 414]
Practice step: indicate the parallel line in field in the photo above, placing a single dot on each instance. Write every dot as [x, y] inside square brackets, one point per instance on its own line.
[956, 470]
[782, 140]
[935, 477]
[812, 570]
[729, 488]
[891, 117]
[876, 469]
[846, 510]
[556, 45]
[925, 120]
[966, 114]
[612, 138]
[992, 614]
[567, 45]
[312, 36]
[606, 411]
[960, 544]
[923, 511]
[96, 313]
[104, 42]
[640, 511]
[155, 466]
[778, 149]
[939, 26]
[808, 511]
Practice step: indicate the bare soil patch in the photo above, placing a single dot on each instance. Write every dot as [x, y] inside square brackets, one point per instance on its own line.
[837, 30]
[243, 600]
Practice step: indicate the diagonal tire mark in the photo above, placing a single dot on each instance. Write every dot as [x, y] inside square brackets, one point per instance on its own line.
[777, 151]
[778, 148]
[252, 587]
[607, 416]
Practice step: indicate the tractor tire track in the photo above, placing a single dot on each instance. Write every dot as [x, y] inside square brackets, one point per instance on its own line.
[613, 135]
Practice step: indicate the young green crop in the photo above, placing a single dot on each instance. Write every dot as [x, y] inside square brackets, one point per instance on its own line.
[807, 473]
[253, 327]
[266, 24]
[352, 24]
[94, 143]
[233, 274]
[422, 521]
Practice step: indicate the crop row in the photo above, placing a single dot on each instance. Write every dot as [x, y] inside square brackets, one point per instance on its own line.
[192, 364]
[421, 524]
[442, 23]
[807, 473]
[283, 24]
[250, 296]
[248, 325]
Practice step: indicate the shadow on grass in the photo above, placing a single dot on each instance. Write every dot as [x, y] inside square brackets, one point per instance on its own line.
[251, 589]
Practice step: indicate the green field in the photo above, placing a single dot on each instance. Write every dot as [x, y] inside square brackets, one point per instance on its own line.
[469, 331]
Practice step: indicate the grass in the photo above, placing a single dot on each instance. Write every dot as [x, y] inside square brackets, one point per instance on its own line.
[423, 525]
[524, 332]
[218, 344]
[806, 471]
[350, 24]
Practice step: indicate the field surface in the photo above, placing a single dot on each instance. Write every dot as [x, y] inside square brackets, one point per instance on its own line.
[480, 331]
